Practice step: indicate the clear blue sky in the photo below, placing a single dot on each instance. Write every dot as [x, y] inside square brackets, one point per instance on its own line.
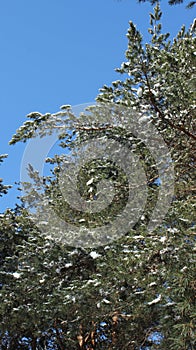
[56, 52]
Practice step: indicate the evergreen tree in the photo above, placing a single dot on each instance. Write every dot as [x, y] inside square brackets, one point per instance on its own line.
[136, 291]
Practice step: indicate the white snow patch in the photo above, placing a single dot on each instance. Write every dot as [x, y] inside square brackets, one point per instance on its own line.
[90, 181]
[94, 255]
[106, 301]
[68, 264]
[155, 301]
[163, 239]
[139, 92]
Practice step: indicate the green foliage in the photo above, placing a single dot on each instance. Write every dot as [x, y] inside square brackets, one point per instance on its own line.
[3, 188]
[171, 2]
[136, 292]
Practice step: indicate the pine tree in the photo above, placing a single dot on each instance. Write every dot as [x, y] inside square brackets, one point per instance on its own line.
[137, 290]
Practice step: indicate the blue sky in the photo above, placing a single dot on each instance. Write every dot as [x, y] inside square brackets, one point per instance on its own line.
[56, 52]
